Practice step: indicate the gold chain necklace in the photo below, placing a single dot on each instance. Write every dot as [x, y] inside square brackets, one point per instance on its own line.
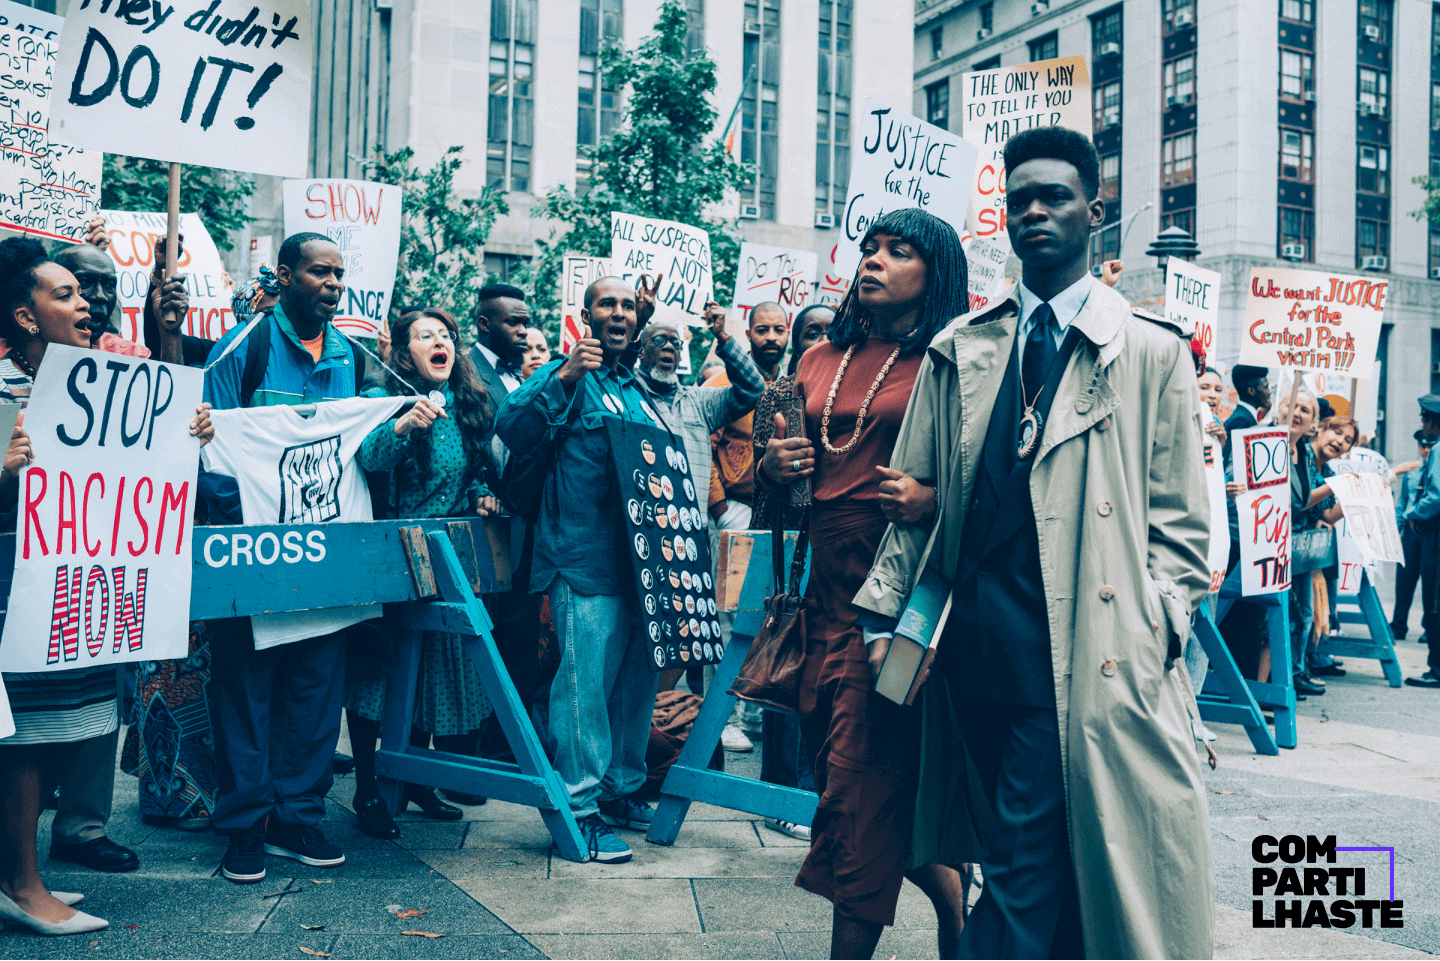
[864, 406]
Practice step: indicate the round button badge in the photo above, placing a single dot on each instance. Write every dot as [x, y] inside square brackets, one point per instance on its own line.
[705, 629]
[690, 603]
[662, 519]
[709, 652]
[650, 604]
[647, 451]
[612, 403]
[708, 583]
[696, 649]
[637, 516]
[690, 550]
[660, 657]
[666, 551]
[675, 579]
[655, 631]
[670, 457]
[648, 509]
[694, 627]
[667, 487]
[647, 580]
[686, 579]
[673, 515]
[680, 463]
[684, 629]
[639, 479]
[679, 603]
[684, 654]
[642, 547]
[653, 484]
[689, 489]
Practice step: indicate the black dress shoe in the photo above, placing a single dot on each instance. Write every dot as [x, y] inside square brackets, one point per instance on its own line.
[1329, 670]
[375, 819]
[101, 854]
[1428, 679]
[460, 797]
[342, 763]
[430, 805]
[1304, 684]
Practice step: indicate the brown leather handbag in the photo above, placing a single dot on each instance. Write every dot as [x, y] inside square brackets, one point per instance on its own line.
[771, 673]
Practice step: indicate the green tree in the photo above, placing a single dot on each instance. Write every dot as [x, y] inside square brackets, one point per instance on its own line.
[1431, 209]
[220, 197]
[442, 235]
[659, 163]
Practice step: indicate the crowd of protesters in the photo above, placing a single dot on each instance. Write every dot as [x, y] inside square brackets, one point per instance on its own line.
[1053, 431]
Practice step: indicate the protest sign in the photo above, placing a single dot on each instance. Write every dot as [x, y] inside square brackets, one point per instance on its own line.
[1263, 509]
[1192, 302]
[46, 188]
[899, 161]
[134, 238]
[833, 285]
[985, 263]
[223, 83]
[1369, 514]
[770, 274]
[1312, 320]
[576, 273]
[999, 103]
[1350, 563]
[640, 246]
[363, 218]
[1219, 516]
[112, 444]
[7, 720]
[29, 21]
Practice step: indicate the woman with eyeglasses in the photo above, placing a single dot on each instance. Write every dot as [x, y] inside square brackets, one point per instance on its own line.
[432, 461]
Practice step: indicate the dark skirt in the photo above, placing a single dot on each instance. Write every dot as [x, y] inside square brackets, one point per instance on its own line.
[169, 745]
[867, 747]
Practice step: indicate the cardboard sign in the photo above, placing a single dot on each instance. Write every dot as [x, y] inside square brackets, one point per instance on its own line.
[102, 552]
[576, 273]
[642, 246]
[1312, 320]
[985, 263]
[1370, 515]
[363, 218]
[1351, 564]
[46, 188]
[1264, 509]
[1192, 302]
[999, 103]
[134, 238]
[1219, 554]
[669, 545]
[774, 274]
[899, 161]
[219, 83]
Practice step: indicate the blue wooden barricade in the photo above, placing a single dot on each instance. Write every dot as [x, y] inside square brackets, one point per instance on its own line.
[1233, 702]
[1220, 701]
[432, 567]
[1380, 645]
[690, 779]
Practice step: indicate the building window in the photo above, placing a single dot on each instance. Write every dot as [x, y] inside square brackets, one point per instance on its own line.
[989, 64]
[1296, 227]
[1372, 239]
[1045, 48]
[1107, 33]
[504, 268]
[760, 118]
[1184, 219]
[1301, 10]
[987, 16]
[1435, 104]
[511, 127]
[832, 115]
[1374, 95]
[1297, 156]
[937, 103]
[1297, 74]
[1434, 264]
[1178, 77]
[937, 43]
[1177, 160]
[1373, 172]
[1110, 177]
[1177, 14]
[694, 26]
[1105, 244]
[598, 111]
[1107, 106]
[1375, 20]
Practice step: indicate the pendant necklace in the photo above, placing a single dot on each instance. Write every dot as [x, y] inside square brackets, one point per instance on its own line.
[1032, 423]
[864, 406]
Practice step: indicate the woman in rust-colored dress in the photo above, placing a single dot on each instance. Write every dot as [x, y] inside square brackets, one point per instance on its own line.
[911, 282]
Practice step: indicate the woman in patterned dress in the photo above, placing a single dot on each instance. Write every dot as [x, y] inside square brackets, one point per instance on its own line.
[434, 458]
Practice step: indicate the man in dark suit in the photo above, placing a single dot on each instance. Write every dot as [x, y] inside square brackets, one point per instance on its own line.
[1252, 385]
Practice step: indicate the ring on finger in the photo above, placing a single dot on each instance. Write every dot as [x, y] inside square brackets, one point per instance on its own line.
[795, 466]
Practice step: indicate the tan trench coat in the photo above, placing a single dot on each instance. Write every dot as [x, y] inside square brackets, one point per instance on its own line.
[1123, 523]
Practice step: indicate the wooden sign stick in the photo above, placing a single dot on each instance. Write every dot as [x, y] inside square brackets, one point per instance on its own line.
[172, 233]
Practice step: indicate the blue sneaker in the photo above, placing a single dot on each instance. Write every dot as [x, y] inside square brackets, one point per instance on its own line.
[626, 812]
[604, 846]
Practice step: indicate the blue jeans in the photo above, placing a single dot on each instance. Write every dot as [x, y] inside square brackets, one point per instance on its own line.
[1302, 611]
[602, 700]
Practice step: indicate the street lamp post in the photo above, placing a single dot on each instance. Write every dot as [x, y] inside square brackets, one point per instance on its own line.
[1172, 242]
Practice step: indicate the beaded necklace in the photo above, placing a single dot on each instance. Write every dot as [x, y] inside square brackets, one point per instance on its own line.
[864, 406]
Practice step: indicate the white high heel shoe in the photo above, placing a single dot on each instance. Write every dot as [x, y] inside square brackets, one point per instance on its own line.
[66, 898]
[81, 923]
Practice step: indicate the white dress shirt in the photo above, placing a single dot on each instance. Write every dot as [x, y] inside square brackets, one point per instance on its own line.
[510, 381]
[1067, 306]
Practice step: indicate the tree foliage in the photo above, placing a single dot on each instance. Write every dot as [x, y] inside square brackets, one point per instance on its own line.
[220, 197]
[1431, 209]
[442, 235]
[659, 163]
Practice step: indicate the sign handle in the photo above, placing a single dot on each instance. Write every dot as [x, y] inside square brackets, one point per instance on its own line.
[1354, 393]
[172, 233]
[1290, 406]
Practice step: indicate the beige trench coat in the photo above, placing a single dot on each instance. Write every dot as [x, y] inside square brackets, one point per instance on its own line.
[1123, 522]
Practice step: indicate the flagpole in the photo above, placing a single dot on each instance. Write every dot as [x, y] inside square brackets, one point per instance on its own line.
[749, 78]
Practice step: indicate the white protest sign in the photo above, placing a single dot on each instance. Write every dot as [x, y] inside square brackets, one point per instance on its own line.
[1264, 509]
[767, 274]
[7, 720]
[1312, 320]
[1192, 302]
[999, 103]
[641, 246]
[1369, 514]
[985, 263]
[1350, 563]
[220, 84]
[112, 445]
[832, 285]
[897, 162]
[46, 188]
[29, 21]
[576, 273]
[363, 218]
[1219, 511]
[134, 238]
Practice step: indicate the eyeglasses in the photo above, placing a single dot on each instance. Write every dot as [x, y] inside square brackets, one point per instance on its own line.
[664, 340]
[426, 336]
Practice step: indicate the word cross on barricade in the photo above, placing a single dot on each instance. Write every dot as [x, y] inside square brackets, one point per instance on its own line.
[690, 779]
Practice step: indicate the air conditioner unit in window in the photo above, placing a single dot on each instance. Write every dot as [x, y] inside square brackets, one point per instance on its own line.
[1183, 18]
[1173, 101]
[752, 27]
[1373, 263]
[1039, 7]
[1309, 96]
[824, 221]
[1435, 273]
[1293, 251]
[984, 33]
[1372, 32]
[749, 211]
[1106, 49]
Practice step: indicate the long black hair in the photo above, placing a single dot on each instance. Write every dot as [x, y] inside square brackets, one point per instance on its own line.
[471, 408]
[947, 280]
[19, 256]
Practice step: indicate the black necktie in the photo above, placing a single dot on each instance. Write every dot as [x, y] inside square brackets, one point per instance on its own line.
[1039, 352]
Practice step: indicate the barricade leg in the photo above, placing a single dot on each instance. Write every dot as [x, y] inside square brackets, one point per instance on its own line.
[1281, 688]
[1234, 703]
[1381, 644]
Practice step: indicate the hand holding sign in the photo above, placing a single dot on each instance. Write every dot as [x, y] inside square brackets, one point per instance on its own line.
[18, 455]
